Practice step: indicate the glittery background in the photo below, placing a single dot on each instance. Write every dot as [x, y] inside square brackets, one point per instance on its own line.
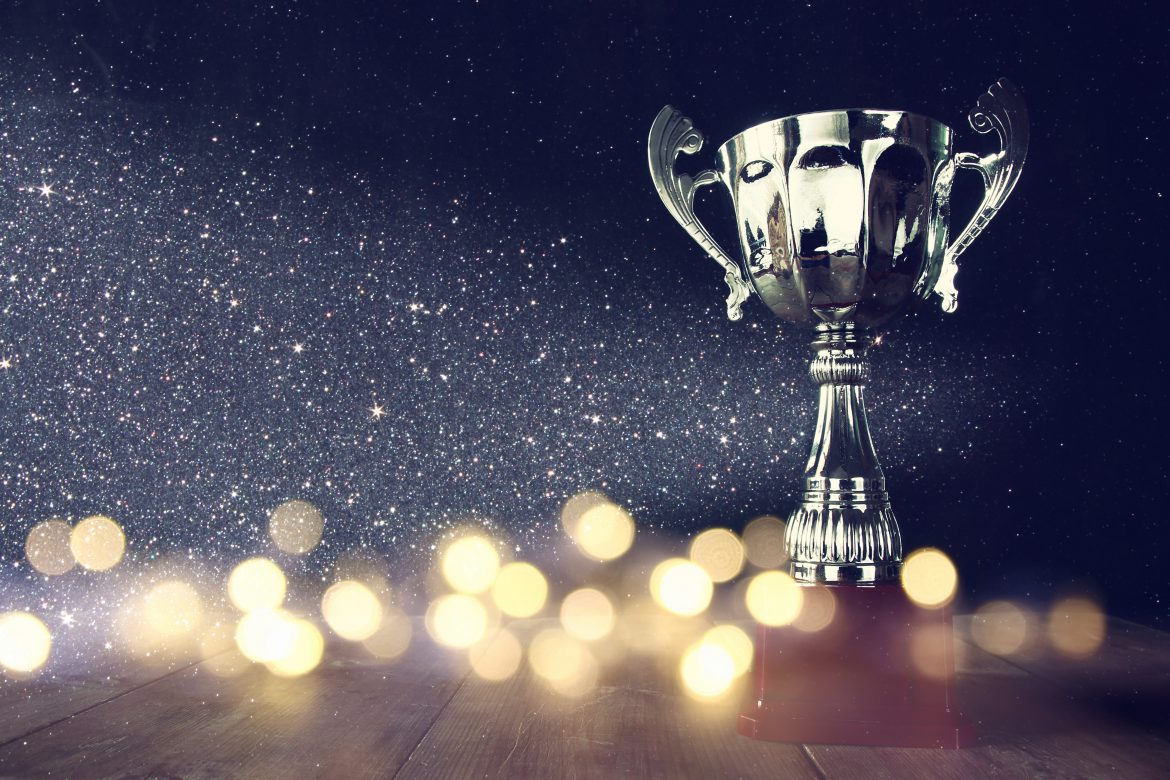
[407, 264]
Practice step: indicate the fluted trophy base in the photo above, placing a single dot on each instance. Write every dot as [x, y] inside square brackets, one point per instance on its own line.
[843, 530]
[881, 673]
[845, 536]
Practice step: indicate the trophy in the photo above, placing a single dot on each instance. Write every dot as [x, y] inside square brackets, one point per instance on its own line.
[843, 223]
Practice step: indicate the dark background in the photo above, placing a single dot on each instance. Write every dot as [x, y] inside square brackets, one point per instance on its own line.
[1025, 434]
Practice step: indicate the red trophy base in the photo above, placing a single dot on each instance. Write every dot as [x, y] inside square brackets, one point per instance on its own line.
[881, 673]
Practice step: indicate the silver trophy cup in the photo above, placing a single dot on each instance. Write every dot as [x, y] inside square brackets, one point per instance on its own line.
[843, 223]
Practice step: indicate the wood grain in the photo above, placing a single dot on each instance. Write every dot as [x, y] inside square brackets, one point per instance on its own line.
[634, 724]
[1026, 728]
[29, 705]
[1126, 680]
[352, 718]
[424, 717]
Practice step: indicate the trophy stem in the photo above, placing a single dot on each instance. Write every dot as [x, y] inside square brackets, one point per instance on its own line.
[844, 529]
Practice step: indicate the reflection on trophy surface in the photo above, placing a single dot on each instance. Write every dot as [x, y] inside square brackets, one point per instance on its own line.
[843, 220]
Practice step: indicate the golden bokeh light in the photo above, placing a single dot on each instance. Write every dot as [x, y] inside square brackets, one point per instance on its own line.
[566, 664]
[681, 587]
[352, 610]
[497, 657]
[266, 635]
[470, 564]
[25, 642]
[603, 531]
[457, 620]
[932, 650]
[1000, 627]
[257, 583]
[295, 526]
[587, 614]
[643, 627]
[149, 631]
[576, 507]
[48, 547]
[774, 599]
[707, 670]
[303, 652]
[737, 644]
[763, 542]
[818, 605]
[393, 636]
[1076, 627]
[97, 543]
[929, 578]
[520, 590]
[173, 609]
[719, 552]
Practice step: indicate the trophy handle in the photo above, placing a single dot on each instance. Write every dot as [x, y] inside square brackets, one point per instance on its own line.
[1000, 109]
[671, 134]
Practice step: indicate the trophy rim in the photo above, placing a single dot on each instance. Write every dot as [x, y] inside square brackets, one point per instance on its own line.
[803, 114]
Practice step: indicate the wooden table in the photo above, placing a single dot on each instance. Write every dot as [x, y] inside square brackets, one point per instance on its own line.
[425, 716]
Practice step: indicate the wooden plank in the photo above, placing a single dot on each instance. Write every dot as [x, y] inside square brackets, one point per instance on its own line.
[96, 653]
[1026, 728]
[1128, 678]
[29, 705]
[635, 723]
[353, 717]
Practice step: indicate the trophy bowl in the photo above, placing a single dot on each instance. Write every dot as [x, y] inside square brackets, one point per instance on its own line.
[842, 215]
[843, 221]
